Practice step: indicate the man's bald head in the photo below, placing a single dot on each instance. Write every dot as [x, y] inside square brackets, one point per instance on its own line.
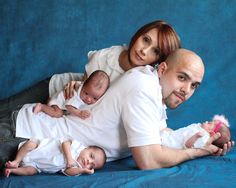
[184, 56]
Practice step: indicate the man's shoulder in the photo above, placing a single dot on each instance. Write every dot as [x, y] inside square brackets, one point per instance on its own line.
[144, 75]
[138, 80]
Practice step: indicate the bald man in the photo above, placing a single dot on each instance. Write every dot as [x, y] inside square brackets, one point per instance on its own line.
[128, 118]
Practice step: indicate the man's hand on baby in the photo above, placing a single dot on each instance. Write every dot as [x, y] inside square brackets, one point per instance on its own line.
[219, 151]
[226, 148]
[212, 149]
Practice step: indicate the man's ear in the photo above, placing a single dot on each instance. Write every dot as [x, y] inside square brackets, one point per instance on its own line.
[162, 67]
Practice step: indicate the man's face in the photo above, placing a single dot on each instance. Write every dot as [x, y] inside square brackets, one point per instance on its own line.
[179, 81]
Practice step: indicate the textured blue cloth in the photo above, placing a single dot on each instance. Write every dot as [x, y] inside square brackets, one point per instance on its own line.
[204, 172]
[39, 38]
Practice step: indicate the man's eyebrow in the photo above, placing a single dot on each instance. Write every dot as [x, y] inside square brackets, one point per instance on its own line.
[185, 74]
[189, 78]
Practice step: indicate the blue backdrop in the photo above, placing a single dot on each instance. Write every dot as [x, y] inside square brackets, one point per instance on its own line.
[41, 37]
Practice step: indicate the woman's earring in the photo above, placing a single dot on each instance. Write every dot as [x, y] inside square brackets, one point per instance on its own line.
[156, 66]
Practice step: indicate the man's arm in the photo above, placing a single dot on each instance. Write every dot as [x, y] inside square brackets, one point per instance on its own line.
[157, 156]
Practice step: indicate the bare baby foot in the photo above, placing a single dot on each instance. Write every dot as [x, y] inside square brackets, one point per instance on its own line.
[37, 108]
[11, 164]
[7, 172]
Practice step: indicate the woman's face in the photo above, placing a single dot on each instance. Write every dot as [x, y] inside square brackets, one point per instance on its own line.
[145, 50]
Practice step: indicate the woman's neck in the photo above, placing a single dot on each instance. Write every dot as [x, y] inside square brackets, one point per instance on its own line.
[124, 60]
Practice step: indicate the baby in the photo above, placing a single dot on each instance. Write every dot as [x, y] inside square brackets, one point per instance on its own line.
[184, 137]
[88, 93]
[50, 156]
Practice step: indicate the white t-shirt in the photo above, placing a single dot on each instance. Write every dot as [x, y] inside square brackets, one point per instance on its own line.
[106, 59]
[48, 156]
[177, 138]
[129, 114]
[75, 101]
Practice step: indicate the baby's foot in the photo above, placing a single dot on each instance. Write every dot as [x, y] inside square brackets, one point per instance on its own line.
[37, 108]
[7, 172]
[11, 164]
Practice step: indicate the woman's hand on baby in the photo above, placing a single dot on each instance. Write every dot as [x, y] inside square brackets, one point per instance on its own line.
[69, 89]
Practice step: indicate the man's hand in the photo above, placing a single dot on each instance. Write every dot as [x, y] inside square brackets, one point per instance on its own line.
[212, 149]
[226, 148]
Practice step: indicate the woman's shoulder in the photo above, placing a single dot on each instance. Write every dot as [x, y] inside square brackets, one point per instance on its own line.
[108, 51]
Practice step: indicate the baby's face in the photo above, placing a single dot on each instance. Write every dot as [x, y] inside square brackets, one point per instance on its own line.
[209, 126]
[91, 158]
[89, 94]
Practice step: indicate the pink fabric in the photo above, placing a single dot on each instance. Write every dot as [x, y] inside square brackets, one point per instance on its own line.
[217, 127]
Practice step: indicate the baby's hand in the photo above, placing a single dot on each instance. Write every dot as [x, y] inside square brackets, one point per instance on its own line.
[190, 142]
[83, 114]
[88, 171]
[70, 164]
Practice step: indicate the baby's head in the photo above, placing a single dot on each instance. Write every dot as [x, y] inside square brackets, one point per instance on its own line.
[92, 157]
[94, 87]
[218, 124]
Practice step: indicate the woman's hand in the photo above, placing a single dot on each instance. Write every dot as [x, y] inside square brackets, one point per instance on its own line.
[70, 87]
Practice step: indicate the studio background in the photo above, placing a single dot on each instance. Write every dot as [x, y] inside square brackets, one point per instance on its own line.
[39, 38]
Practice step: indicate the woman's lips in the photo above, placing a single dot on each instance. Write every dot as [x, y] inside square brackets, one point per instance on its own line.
[138, 56]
